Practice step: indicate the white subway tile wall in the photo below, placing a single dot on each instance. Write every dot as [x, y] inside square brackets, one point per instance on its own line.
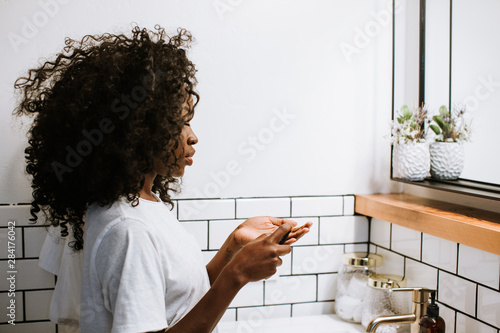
[479, 266]
[380, 233]
[199, 230]
[327, 287]
[348, 204]
[251, 294]
[419, 274]
[467, 279]
[205, 209]
[264, 312]
[304, 284]
[466, 324]
[406, 241]
[278, 207]
[317, 206]
[440, 252]
[343, 229]
[312, 309]
[37, 304]
[393, 263]
[488, 307]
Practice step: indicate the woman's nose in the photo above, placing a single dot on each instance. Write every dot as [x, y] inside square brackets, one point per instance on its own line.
[192, 138]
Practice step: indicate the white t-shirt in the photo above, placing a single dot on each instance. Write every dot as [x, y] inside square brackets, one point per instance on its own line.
[142, 271]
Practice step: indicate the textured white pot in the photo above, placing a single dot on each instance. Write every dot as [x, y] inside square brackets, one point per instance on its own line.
[411, 161]
[447, 160]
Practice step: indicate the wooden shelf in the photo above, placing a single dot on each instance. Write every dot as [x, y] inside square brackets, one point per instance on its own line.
[469, 226]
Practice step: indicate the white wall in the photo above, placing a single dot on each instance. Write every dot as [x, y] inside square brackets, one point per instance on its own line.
[327, 63]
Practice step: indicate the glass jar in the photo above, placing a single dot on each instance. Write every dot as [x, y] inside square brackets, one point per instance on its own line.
[380, 301]
[352, 285]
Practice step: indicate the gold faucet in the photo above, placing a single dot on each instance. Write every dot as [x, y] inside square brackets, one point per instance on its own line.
[420, 300]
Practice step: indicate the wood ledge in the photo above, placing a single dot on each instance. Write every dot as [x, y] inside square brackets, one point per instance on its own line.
[465, 225]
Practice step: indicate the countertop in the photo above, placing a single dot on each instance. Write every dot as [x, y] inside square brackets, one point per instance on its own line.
[301, 324]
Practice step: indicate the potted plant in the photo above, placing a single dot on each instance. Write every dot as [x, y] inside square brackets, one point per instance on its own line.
[447, 152]
[410, 155]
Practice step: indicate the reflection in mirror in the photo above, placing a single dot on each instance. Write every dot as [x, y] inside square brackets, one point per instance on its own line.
[461, 58]
[475, 81]
[406, 51]
[475, 75]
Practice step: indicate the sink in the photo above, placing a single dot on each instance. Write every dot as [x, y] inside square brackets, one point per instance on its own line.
[302, 324]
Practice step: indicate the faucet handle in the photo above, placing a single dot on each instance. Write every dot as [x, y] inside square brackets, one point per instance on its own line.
[420, 295]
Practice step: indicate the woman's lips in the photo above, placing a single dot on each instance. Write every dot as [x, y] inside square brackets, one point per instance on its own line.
[189, 158]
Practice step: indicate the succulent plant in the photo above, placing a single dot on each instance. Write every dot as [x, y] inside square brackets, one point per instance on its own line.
[451, 127]
[409, 125]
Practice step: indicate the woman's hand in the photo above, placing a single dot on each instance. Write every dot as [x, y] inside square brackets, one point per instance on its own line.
[247, 232]
[263, 225]
[260, 258]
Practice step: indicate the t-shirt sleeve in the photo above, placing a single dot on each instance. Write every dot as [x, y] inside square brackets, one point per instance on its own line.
[133, 286]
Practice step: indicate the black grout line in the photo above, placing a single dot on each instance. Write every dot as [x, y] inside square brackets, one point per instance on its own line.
[404, 267]
[437, 285]
[235, 208]
[265, 197]
[421, 245]
[24, 305]
[443, 270]
[458, 254]
[390, 237]
[35, 321]
[455, 326]
[369, 232]
[476, 299]
[264, 293]
[23, 241]
[208, 235]
[319, 230]
[317, 287]
[177, 208]
[457, 311]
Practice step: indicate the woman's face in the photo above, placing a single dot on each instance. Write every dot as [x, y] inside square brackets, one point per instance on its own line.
[184, 153]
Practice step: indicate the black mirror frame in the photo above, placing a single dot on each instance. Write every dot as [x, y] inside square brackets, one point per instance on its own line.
[461, 186]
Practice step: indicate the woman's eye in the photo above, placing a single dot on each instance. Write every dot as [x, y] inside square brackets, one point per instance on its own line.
[187, 124]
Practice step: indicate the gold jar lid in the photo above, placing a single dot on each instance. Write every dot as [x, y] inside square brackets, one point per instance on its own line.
[362, 259]
[386, 281]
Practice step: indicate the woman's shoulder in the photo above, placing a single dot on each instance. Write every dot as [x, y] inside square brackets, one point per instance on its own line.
[100, 219]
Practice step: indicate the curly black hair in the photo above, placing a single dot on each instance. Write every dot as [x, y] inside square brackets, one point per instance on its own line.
[105, 111]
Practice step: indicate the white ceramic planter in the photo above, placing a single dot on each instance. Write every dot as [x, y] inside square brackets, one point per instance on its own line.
[411, 161]
[447, 160]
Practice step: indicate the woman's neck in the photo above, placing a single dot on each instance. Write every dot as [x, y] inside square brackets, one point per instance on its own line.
[147, 190]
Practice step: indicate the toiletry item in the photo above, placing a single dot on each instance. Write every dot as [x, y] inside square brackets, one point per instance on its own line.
[432, 322]
[352, 287]
[380, 302]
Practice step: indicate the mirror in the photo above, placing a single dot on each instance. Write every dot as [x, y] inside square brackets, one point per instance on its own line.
[453, 60]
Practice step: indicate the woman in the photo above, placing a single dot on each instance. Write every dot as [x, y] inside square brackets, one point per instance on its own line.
[110, 138]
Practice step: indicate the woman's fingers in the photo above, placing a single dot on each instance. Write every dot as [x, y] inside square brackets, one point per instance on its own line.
[278, 221]
[276, 236]
[298, 232]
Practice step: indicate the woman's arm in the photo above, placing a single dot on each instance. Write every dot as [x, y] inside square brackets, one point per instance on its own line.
[255, 261]
[222, 257]
[245, 233]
